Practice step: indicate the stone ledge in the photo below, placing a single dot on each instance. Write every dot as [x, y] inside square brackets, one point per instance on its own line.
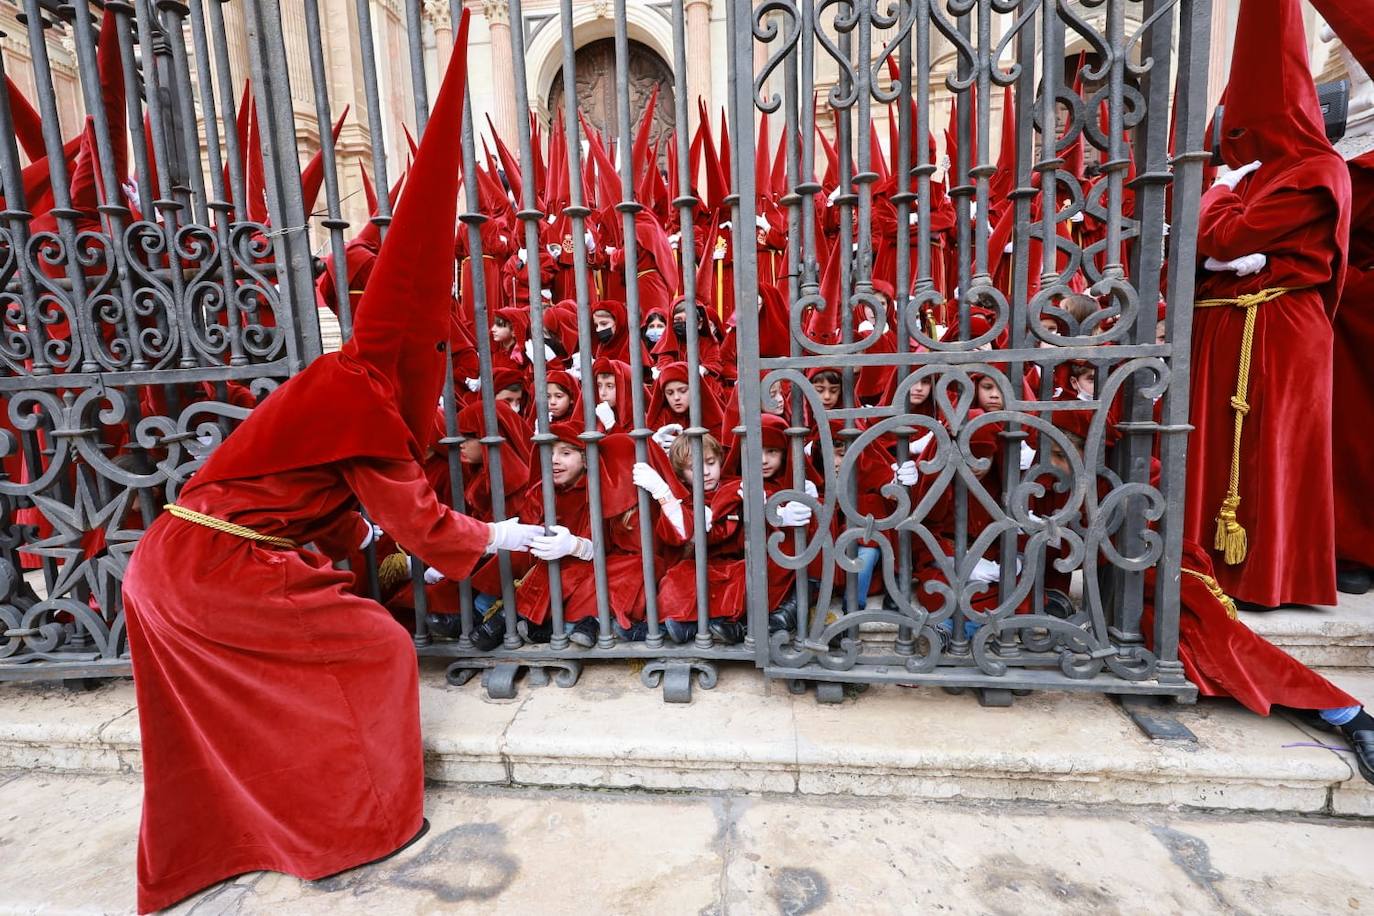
[751, 735]
[1326, 637]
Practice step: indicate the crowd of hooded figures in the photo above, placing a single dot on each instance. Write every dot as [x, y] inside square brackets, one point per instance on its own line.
[278, 700]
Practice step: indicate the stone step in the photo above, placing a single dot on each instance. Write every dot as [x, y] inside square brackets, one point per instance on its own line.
[750, 734]
[498, 850]
[1340, 636]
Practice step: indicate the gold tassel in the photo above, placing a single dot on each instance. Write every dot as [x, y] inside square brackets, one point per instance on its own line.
[394, 570]
[1230, 540]
[1215, 588]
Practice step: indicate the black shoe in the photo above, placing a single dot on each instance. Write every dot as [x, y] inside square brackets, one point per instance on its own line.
[534, 632]
[447, 626]
[1354, 581]
[784, 617]
[584, 633]
[729, 632]
[637, 632]
[680, 631]
[488, 634]
[1362, 743]
[1254, 608]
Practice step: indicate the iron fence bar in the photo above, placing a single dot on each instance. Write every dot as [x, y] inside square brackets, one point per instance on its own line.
[368, 58]
[628, 208]
[530, 215]
[333, 223]
[473, 219]
[237, 188]
[1189, 155]
[902, 199]
[577, 211]
[283, 165]
[686, 202]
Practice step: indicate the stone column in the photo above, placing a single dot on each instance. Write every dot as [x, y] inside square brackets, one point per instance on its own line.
[698, 13]
[1219, 66]
[437, 12]
[502, 68]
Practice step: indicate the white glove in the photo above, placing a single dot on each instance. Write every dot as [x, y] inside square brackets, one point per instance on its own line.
[1243, 266]
[725, 225]
[707, 517]
[529, 351]
[588, 240]
[646, 478]
[575, 369]
[701, 371]
[762, 222]
[808, 448]
[810, 489]
[986, 571]
[473, 384]
[666, 434]
[433, 576]
[608, 249]
[654, 372]
[675, 239]
[373, 533]
[553, 250]
[830, 201]
[865, 326]
[794, 514]
[1232, 177]
[521, 256]
[1027, 455]
[511, 534]
[561, 543]
[911, 219]
[605, 414]
[917, 446]
[906, 473]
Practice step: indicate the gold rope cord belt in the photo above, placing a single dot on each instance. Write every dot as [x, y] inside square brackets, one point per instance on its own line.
[219, 524]
[1215, 588]
[1231, 537]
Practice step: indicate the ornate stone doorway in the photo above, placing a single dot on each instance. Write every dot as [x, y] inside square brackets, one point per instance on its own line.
[596, 84]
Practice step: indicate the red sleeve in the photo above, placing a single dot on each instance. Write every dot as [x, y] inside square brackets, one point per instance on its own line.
[341, 538]
[1230, 227]
[400, 499]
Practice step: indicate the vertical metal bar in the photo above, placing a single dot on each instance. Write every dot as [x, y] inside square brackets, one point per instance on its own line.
[686, 203]
[282, 161]
[531, 215]
[367, 52]
[628, 207]
[902, 199]
[224, 76]
[741, 102]
[1193, 53]
[414, 40]
[578, 212]
[473, 220]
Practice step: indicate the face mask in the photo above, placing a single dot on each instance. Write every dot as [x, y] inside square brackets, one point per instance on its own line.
[680, 329]
[653, 335]
[605, 334]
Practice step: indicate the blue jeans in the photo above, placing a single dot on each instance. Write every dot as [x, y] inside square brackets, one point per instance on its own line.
[868, 558]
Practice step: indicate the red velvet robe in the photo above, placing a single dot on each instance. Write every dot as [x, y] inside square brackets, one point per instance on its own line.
[279, 712]
[1285, 486]
[1352, 399]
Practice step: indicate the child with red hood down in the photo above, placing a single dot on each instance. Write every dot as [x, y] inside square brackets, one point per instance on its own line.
[520, 497]
[570, 541]
[725, 567]
[668, 413]
[1223, 656]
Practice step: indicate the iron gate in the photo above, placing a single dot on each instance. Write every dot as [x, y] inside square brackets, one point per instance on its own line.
[143, 319]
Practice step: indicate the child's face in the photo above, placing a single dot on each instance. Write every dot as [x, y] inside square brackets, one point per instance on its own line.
[1049, 326]
[710, 472]
[560, 402]
[605, 388]
[918, 393]
[1161, 332]
[772, 462]
[568, 463]
[1058, 459]
[512, 396]
[1083, 383]
[841, 448]
[470, 451]
[603, 321]
[989, 395]
[501, 333]
[774, 404]
[656, 323]
[828, 392]
[675, 393]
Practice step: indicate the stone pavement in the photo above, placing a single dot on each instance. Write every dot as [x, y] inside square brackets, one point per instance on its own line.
[67, 847]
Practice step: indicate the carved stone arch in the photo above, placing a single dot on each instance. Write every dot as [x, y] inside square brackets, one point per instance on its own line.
[596, 87]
